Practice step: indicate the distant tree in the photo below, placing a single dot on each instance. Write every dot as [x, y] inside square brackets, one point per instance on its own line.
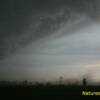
[39, 84]
[60, 80]
[25, 82]
[48, 84]
[84, 81]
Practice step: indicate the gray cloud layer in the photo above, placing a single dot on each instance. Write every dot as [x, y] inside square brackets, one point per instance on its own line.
[22, 21]
[59, 38]
[51, 57]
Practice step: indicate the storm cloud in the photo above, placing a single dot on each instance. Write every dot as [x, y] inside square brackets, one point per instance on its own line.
[41, 40]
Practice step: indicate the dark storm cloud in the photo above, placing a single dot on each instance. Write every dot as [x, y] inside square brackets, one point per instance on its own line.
[23, 21]
[60, 37]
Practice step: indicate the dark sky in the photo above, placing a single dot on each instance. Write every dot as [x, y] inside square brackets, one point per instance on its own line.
[17, 16]
[38, 28]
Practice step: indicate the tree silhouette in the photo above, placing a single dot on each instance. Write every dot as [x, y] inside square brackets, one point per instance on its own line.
[60, 80]
[84, 81]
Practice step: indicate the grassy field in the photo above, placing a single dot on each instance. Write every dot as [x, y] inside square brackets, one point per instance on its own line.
[45, 91]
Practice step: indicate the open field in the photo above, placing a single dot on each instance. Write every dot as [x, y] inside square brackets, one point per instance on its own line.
[46, 91]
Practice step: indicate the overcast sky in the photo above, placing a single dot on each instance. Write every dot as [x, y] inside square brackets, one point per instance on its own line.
[42, 45]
